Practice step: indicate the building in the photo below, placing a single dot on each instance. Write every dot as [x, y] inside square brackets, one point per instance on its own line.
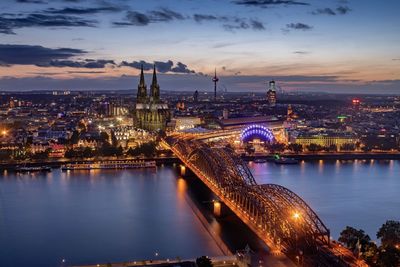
[184, 123]
[150, 113]
[271, 94]
[326, 139]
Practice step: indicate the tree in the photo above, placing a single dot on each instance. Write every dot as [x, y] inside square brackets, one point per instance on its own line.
[148, 149]
[296, 148]
[5, 155]
[74, 137]
[314, 148]
[203, 261]
[331, 148]
[388, 257]
[351, 237]
[389, 233]
[370, 253]
[276, 147]
[104, 137]
[348, 147]
[88, 152]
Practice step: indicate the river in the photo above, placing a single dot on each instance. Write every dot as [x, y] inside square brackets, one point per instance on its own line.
[112, 216]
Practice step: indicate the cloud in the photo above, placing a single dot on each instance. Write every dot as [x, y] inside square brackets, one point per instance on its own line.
[87, 63]
[10, 22]
[31, 1]
[11, 54]
[343, 10]
[340, 10]
[165, 15]
[82, 11]
[205, 17]
[301, 52]
[257, 25]
[298, 26]
[161, 66]
[269, 3]
[137, 64]
[324, 11]
[231, 23]
[181, 68]
[135, 18]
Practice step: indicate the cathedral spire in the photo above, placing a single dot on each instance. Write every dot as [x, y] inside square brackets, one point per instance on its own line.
[155, 88]
[154, 82]
[142, 83]
[142, 90]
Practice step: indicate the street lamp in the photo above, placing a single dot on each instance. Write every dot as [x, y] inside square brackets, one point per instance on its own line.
[296, 215]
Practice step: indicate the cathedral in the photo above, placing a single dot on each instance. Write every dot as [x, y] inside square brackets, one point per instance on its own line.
[150, 113]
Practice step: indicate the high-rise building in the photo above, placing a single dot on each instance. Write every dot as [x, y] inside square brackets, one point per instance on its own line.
[196, 96]
[150, 112]
[271, 94]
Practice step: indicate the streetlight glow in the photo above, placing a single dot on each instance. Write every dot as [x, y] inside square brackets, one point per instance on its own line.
[296, 215]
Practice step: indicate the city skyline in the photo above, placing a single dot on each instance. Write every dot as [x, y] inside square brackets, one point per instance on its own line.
[335, 46]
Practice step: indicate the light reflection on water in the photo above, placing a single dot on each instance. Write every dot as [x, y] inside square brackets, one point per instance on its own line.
[97, 217]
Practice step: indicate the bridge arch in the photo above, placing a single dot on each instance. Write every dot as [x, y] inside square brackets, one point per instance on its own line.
[278, 216]
[256, 131]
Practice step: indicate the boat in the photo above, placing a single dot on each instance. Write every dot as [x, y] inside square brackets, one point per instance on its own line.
[283, 160]
[109, 165]
[260, 161]
[33, 169]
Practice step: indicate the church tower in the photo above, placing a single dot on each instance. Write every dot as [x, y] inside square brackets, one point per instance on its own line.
[151, 113]
[154, 88]
[142, 90]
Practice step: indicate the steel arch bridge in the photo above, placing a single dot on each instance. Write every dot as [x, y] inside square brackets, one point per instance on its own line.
[275, 214]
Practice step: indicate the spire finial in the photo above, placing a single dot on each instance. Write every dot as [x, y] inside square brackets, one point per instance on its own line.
[154, 75]
[142, 83]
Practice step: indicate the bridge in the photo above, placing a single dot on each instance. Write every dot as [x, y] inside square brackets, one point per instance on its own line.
[275, 214]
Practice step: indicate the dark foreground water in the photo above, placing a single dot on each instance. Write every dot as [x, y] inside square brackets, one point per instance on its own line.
[101, 216]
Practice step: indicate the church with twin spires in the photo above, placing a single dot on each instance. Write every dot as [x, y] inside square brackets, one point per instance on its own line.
[151, 113]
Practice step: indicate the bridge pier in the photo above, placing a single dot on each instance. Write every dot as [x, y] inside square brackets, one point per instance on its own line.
[182, 170]
[217, 208]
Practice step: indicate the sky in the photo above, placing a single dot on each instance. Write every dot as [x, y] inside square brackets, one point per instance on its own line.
[337, 46]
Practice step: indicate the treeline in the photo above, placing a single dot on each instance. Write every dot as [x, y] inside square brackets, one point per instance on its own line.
[387, 254]
[298, 148]
[108, 150]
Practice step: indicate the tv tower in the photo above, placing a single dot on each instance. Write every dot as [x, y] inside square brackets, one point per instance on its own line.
[215, 80]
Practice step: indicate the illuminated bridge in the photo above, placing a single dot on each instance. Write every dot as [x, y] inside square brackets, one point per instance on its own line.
[275, 214]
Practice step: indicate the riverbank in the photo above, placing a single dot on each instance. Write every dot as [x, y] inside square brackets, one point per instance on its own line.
[57, 163]
[12, 165]
[330, 156]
